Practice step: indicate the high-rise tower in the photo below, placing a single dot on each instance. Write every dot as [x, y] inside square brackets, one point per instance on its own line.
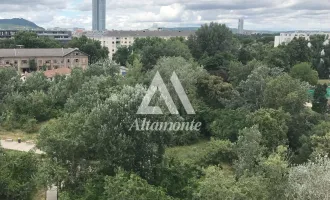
[99, 15]
[241, 26]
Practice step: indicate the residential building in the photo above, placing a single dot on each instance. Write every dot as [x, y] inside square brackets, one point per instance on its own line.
[62, 36]
[115, 39]
[99, 15]
[42, 59]
[285, 38]
[241, 26]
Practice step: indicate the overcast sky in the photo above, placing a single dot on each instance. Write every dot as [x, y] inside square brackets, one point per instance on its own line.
[141, 14]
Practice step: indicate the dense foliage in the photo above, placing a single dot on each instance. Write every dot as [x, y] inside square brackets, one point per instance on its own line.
[258, 139]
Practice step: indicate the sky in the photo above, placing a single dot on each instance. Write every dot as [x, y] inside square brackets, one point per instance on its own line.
[275, 15]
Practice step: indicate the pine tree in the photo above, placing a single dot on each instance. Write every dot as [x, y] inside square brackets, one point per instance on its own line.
[320, 100]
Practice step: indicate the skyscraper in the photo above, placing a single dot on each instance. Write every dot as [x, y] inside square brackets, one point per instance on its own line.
[241, 26]
[99, 15]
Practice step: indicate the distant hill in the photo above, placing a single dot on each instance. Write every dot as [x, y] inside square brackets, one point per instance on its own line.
[18, 24]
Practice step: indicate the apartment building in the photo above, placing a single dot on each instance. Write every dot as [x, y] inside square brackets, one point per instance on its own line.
[62, 36]
[285, 38]
[43, 59]
[115, 39]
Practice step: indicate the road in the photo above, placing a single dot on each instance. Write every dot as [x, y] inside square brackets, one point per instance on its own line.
[19, 146]
[52, 192]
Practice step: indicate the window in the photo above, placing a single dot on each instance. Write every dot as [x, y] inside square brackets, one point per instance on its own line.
[77, 54]
[68, 60]
[15, 62]
[113, 50]
[7, 62]
[48, 62]
[24, 61]
[113, 42]
[54, 61]
[76, 60]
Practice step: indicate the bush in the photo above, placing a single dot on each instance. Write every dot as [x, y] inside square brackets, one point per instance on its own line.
[30, 126]
[217, 151]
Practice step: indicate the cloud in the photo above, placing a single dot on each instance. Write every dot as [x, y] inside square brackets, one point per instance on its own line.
[141, 14]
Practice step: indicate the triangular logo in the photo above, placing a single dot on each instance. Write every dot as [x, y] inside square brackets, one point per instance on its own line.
[158, 84]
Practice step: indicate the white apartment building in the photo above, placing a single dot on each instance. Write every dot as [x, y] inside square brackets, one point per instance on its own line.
[115, 39]
[285, 38]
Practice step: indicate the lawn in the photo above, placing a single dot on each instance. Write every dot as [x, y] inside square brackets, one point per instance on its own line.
[18, 133]
[324, 81]
[193, 154]
[187, 154]
[15, 134]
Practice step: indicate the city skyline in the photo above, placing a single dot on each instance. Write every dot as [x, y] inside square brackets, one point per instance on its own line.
[276, 15]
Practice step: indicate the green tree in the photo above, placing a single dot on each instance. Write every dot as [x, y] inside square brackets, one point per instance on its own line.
[217, 184]
[286, 92]
[91, 47]
[320, 101]
[252, 89]
[32, 65]
[211, 39]
[122, 54]
[239, 72]
[31, 40]
[275, 171]
[227, 124]
[249, 151]
[169, 48]
[272, 125]
[213, 45]
[309, 180]
[298, 51]
[131, 187]
[304, 72]
[278, 57]
[17, 175]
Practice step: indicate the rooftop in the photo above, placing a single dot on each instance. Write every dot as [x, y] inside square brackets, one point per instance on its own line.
[52, 52]
[141, 33]
[59, 71]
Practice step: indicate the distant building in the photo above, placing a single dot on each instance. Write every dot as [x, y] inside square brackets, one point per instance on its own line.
[99, 15]
[44, 59]
[59, 35]
[285, 38]
[241, 26]
[115, 39]
[123, 70]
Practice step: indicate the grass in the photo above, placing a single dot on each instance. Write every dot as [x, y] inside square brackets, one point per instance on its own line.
[18, 133]
[15, 134]
[40, 195]
[188, 154]
[194, 154]
[324, 81]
